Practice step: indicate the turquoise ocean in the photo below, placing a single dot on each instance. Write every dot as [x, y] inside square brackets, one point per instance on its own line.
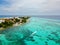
[38, 31]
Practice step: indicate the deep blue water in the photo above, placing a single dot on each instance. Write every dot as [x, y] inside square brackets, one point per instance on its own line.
[56, 17]
[38, 31]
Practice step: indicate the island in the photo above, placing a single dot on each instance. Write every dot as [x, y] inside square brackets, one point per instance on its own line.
[12, 21]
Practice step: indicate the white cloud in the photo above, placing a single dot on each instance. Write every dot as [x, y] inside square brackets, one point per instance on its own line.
[32, 6]
[53, 4]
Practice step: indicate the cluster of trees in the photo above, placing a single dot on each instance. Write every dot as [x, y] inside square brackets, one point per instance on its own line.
[6, 24]
[10, 22]
[24, 19]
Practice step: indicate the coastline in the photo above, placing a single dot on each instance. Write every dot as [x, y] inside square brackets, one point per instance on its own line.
[11, 26]
[16, 24]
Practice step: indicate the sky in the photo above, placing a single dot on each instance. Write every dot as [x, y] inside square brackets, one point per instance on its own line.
[29, 7]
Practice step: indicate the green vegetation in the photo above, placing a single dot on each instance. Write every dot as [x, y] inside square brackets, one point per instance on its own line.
[10, 22]
[17, 20]
[1, 25]
[6, 24]
[24, 19]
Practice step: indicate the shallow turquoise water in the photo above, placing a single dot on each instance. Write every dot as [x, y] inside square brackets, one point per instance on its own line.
[38, 31]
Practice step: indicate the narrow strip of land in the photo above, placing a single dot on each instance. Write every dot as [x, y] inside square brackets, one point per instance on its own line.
[12, 21]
